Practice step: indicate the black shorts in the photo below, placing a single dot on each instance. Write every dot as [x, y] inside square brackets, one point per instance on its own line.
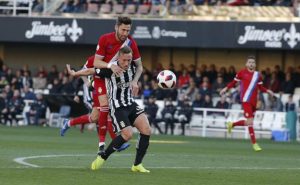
[125, 116]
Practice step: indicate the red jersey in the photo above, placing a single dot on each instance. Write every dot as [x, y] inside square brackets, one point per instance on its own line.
[108, 47]
[250, 82]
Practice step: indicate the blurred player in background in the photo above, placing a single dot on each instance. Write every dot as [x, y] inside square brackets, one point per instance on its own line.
[250, 82]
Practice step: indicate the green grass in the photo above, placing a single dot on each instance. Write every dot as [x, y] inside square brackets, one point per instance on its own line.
[172, 160]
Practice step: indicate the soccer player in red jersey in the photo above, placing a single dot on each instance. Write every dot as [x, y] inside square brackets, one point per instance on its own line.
[250, 82]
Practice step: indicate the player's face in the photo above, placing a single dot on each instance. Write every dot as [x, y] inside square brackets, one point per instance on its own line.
[125, 60]
[251, 64]
[122, 32]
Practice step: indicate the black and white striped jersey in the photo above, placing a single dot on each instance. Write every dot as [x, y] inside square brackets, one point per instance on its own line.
[118, 87]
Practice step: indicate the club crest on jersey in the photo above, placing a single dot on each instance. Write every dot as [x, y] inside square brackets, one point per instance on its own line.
[246, 114]
[99, 90]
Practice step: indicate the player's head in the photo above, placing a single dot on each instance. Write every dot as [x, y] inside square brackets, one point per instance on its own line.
[125, 57]
[251, 63]
[122, 28]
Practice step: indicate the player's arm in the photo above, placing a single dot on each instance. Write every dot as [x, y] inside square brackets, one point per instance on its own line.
[137, 75]
[103, 73]
[263, 88]
[83, 72]
[229, 86]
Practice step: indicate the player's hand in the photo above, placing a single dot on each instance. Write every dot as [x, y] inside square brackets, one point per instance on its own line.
[116, 70]
[70, 71]
[270, 92]
[134, 88]
[76, 99]
[223, 91]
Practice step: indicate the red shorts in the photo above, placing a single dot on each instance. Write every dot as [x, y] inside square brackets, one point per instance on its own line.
[249, 110]
[99, 89]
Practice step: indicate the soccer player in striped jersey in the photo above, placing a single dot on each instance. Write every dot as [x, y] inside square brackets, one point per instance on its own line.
[250, 82]
[124, 111]
[93, 117]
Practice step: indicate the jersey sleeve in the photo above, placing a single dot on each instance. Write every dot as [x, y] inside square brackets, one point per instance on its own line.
[260, 84]
[103, 73]
[135, 51]
[236, 79]
[89, 63]
[100, 50]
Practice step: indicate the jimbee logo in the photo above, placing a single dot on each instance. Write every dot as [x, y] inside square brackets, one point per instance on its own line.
[55, 32]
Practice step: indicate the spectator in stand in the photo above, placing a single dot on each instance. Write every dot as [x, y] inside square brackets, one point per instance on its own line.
[67, 86]
[28, 94]
[217, 86]
[207, 102]
[290, 105]
[192, 90]
[198, 102]
[8, 91]
[147, 92]
[223, 72]
[157, 92]
[27, 80]
[151, 109]
[205, 88]
[222, 104]
[212, 73]
[25, 68]
[4, 108]
[38, 6]
[273, 84]
[42, 71]
[3, 82]
[16, 105]
[79, 6]
[39, 82]
[168, 115]
[37, 110]
[183, 79]
[3, 70]
[288, 85]
[192, 70]
[275, 104]
[65, 7]
[185, 114]
[52, 74]
[279, 73]
[16, 82]
[203, 70]
[56, 87]
[231, 73]
[198, 77]
[9, 75]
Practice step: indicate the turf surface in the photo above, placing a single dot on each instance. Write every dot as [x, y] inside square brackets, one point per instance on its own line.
[45, 158]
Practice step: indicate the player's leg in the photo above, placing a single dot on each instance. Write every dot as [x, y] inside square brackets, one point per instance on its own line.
[143, 126]
[121, 123]
[249, 122]
[230, 125]
[102, 121]
[88, 118]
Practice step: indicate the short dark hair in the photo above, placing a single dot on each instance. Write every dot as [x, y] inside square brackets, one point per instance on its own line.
[123, 20]
[125, 50]
[251, 57]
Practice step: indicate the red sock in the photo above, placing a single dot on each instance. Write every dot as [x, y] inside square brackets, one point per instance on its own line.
[251, 133]
[80, 120]
[102, 123]
[239, 123]
[111, 129]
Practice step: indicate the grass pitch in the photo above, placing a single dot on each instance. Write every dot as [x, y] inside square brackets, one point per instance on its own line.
[39, 156]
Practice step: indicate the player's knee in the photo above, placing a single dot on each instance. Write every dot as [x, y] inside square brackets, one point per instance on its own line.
[94, 118]
[127, 134]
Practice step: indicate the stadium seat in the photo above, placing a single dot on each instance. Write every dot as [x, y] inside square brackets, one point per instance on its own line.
[130, 9]
[92, 8]
[267, 120]
[279, 121]
[105, 9]
[55, 119]
[143, 9]
[118, 9]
